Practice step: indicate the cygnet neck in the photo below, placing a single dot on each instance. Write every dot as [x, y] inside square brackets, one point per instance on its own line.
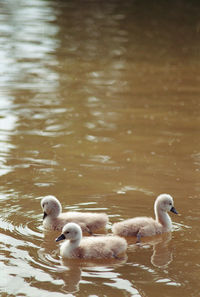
[76, 236]
[55, 210]
[163, 218]
[75, 242]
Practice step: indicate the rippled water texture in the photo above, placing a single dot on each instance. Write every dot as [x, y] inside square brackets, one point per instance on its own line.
[99, 106]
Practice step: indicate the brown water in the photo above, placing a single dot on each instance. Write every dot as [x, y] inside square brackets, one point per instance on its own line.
[99, 106]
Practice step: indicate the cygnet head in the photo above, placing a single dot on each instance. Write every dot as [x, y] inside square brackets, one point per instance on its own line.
[51, 206]
[165, 203]
[71, 231]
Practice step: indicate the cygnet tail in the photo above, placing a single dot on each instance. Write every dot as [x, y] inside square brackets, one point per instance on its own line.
[97, 221]
[119, 246]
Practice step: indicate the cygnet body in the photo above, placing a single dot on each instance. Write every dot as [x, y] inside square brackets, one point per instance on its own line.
[146, 226]
[92, 247]
[53, 217]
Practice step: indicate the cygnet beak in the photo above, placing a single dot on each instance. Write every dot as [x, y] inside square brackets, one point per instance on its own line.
[173, 210]
[61, 237]
[44, 215]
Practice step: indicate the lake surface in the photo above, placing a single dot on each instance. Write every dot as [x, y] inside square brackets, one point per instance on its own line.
[99, 106]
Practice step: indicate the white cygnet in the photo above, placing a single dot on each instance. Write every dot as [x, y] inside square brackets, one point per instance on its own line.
[146, 226]
[92, 247]
[53, 217]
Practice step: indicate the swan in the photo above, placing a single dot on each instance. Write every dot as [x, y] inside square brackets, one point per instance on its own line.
[53, 218]
[146, 226]
[93, 247]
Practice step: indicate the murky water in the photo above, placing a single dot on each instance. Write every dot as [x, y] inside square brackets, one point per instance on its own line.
[99, 106]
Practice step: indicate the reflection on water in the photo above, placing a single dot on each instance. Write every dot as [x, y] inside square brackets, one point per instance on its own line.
[26, 45]
[162, 256]
[7, 124]
[99, 106]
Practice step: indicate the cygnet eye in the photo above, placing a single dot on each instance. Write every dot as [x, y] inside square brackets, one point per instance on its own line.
[170, 203]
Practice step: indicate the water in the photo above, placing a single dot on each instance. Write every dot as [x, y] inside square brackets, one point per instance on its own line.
[99, 106]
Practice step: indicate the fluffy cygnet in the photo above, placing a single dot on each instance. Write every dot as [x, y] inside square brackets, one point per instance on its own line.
[93, 247]
[53, 217]
[145, 226]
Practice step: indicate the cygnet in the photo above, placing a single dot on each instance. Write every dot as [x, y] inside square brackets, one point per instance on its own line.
[53, 217]
[92, 247]
[146, 226]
